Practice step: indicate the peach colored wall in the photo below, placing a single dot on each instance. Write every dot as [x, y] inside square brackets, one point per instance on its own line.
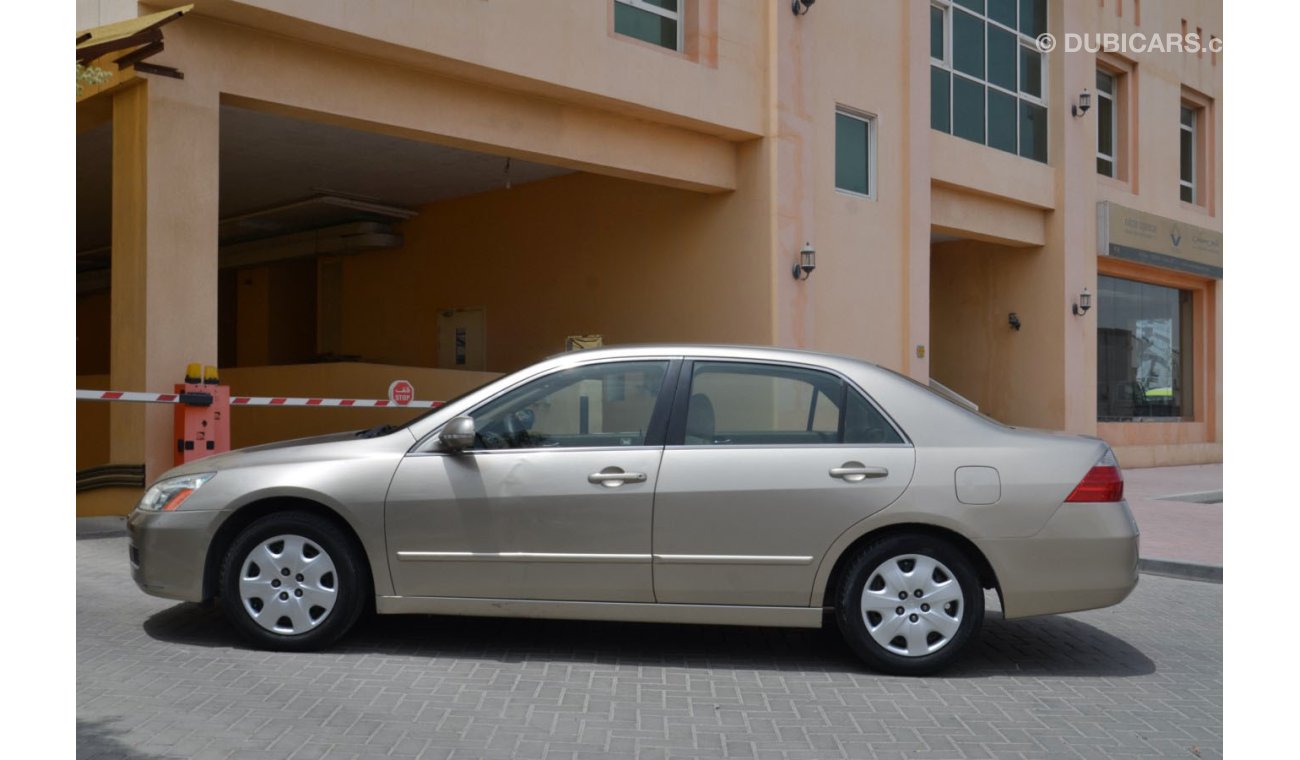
[562, 50]
[853, 303]
[1157, 83]
[1045, 375]
[1013, 375]
[615, 250]
[574, 255]
[357, 87]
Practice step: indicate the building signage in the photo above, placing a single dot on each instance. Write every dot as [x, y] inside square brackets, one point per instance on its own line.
[1156, 240]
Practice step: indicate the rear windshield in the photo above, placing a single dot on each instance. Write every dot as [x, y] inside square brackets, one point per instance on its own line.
[944, 397]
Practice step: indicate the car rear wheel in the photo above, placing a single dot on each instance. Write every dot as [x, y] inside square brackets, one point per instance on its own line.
[293, 581]
[908, 603]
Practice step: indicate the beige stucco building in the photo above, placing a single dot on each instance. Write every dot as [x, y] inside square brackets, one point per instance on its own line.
[339, 193]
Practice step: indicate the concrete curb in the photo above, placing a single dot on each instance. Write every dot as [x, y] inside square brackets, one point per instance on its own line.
[100, 527]
[1186, 570]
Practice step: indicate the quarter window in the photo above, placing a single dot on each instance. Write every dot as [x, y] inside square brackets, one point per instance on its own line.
[986, 73]
[757, 404]
[658, 22]
[596, 405]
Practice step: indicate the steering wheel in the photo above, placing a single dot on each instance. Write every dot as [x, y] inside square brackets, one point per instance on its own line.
[516, 425]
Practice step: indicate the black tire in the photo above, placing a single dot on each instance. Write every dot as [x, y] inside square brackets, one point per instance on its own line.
[344, 583]
[927, 639]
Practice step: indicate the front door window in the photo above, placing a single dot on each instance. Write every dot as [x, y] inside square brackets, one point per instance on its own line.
[597, 405]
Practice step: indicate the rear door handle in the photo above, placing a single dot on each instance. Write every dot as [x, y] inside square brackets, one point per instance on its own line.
[612, 477]
[856, 471]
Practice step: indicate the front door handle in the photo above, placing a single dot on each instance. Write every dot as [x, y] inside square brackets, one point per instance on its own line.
[856, 471]
[613, 477]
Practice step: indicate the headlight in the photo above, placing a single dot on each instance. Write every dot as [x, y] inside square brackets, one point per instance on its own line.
[167, 495]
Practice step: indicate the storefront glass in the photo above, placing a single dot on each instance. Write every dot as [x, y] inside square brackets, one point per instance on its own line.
[1144, 351]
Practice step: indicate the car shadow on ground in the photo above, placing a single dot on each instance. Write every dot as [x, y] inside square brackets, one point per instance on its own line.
[95, 738]
[1045, 646]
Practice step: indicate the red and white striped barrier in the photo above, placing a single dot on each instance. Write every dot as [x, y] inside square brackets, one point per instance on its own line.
[179, 398]
[355, 403]
[151, 398]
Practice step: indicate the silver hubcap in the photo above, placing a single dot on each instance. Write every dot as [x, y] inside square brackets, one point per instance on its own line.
[288, 584]
[912, 605]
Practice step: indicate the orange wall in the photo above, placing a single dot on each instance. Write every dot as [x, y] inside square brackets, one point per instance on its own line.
[1013, 375]
[253, 425]
[93, 334]
[575, 255]
[564, 50]
[92, 422]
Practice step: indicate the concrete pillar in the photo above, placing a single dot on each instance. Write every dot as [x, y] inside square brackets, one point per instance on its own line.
[1072, 229]
[916, 187]
[164, 260]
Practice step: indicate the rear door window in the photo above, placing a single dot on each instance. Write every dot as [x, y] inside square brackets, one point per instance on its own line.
[736, 403]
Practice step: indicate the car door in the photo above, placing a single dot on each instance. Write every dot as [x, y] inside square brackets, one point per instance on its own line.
[766, 465]
[555, 499]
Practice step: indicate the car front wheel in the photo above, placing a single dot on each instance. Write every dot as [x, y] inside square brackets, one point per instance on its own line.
[908, 604]
[292, 581]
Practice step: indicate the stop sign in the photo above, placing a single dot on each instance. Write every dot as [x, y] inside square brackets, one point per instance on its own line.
[401, 392]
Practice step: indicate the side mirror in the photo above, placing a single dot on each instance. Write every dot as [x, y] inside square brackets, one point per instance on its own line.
[458, 434]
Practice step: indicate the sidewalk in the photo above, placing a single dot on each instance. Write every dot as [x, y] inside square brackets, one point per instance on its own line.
[1180, 536]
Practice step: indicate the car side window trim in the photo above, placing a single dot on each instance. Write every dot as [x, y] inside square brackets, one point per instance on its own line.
[655, 429]
[676, 430]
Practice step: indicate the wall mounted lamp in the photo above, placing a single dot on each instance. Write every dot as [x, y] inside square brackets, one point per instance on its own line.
[1085, 102]
[1013, 320]
[795, 6]
[1085, 303]
[807, 262]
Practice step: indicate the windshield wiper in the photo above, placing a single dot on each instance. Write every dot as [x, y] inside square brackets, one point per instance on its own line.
[375, 432]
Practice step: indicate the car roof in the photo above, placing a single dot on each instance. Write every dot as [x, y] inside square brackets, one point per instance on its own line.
[712, 350]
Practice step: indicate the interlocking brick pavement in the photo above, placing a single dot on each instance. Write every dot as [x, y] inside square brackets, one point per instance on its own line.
[156, 679]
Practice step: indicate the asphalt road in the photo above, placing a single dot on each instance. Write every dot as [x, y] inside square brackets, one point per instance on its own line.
[157, 679]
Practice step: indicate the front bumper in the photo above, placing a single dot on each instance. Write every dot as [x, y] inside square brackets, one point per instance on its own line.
[168, 551]
[1084, 558]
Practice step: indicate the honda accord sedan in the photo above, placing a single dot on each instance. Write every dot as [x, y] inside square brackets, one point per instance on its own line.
[681, 484]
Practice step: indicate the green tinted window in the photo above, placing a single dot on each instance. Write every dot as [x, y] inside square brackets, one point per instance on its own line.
[1003, 50]
[1002, 121]
[986, 80]
[1003, 12]
[1033, 17]
[1031, 71]
[968, 109]
[852, 154]
[1033, 131]
[936, 32]
[968, 44]
[940, 84]
[646, 25]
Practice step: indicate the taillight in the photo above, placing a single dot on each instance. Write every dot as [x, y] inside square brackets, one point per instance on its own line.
[1104, 482]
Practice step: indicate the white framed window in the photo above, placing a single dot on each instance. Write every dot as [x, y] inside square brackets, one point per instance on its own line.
[987, 73]
[1187, 150]
[855, 152]
[658, 22]
[1107, 123]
